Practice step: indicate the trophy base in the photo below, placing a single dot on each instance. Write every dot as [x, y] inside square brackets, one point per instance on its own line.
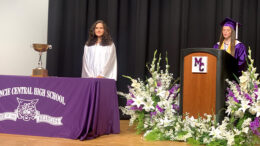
[40, 72]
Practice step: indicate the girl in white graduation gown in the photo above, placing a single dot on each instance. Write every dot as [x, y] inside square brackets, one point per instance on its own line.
[99, 58]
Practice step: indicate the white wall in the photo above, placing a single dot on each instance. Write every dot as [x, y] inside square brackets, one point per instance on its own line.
[22, 22]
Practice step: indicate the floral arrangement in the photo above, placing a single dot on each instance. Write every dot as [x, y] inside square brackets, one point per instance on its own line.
[243, 109]
[153, 102]
[153, 105]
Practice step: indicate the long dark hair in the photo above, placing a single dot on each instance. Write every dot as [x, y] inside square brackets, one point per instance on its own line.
[233, 41]
[92, 38]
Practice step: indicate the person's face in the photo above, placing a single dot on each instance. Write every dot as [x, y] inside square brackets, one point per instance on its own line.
[99, 30]
[226, 31]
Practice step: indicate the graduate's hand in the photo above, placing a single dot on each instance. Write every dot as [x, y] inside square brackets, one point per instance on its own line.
[100, 76]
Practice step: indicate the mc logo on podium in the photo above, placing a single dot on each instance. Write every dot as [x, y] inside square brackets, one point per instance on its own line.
[199, 64]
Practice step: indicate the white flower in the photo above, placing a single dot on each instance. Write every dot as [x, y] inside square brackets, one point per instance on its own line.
[230, 139]
[132, 119]
[206, 140]
[246, 123]
[239, 113]
[245, 130]
[244, 81]
[150, 81]
[229, 110]
[163, 103]
[244, 78]
[148, 105]
[169, 133]
[188, 135]
[216, 133]
[237, 132]
[257, 109]
[258, 94]
[163, 94]
[165, 122]
[135, 84]
[138, 101]
[244, 105]
[252, 110]
[177, 127]
[152, 89]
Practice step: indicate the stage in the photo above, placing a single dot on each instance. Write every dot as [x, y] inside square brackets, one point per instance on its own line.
[127, 137]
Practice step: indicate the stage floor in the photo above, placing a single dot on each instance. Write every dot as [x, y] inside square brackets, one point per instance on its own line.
[127, 137]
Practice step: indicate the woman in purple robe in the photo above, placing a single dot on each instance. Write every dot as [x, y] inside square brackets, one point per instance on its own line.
[229, 43]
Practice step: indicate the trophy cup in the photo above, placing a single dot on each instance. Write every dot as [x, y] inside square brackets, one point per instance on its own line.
[40, 71]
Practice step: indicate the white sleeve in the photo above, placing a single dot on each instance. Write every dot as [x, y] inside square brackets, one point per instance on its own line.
[110, 69]
[85, 71]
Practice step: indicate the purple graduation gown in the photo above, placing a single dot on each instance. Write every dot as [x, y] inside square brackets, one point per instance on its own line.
[240, 55]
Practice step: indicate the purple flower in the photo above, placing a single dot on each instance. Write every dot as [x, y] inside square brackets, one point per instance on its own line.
[175, 107]
[236, 100]
[159, 83]
[129, 102]
[248, 98]
[153, 113]
[238, 89]
[256, 87]
[254, 125]
[159, 108]
[256, 90]
[231, 94]
[132, 95]
[135, 108]
[174, 88]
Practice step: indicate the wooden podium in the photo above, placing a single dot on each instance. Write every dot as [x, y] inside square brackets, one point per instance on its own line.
[203, 85]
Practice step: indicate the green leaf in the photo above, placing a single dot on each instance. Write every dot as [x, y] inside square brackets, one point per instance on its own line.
[155, 134]
[237, 79]
[218, 142]
[239, 140]
[127, 77]
[193, 142]
[140, 125]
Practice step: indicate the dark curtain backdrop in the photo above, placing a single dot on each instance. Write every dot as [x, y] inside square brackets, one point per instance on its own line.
[139, 27]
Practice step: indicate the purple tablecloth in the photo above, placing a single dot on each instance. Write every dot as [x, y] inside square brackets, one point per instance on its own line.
[76, 108]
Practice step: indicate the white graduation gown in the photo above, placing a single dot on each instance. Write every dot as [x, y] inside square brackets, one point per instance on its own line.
[99, 61]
